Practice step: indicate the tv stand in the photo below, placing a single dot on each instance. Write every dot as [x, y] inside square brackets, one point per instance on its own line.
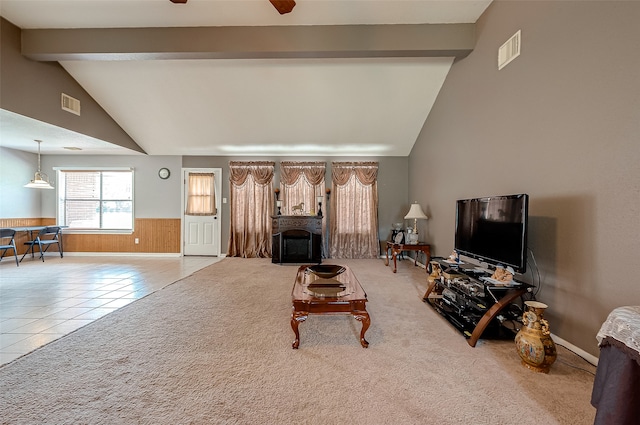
[473, 306]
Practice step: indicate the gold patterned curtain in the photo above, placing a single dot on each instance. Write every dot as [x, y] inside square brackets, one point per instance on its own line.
[201, 197]
[301, 182]
[354, 211]
[251, 207]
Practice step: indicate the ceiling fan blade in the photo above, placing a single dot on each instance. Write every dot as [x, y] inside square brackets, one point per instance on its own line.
[283, 6]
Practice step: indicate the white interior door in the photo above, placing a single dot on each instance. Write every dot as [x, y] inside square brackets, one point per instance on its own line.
[201, 233]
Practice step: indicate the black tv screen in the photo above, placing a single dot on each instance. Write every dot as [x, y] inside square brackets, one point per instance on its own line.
[493, 230]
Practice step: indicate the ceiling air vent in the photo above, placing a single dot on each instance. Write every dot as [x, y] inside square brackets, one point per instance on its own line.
[70, 104]
[509, 50]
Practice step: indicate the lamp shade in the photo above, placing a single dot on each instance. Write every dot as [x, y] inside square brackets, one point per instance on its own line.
[40, 179]
[415, 212]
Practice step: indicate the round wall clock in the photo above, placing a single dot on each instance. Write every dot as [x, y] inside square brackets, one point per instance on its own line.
[164, 173]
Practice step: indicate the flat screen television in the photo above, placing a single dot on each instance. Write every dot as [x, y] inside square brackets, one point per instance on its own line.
[493, 230]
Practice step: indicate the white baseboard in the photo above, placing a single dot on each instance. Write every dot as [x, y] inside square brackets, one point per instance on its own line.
[129, 254]
[577, 350]
[123, 254]
[384, 257]
[566, 344]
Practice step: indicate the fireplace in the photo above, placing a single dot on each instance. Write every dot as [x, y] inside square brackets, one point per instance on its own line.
[297, 239]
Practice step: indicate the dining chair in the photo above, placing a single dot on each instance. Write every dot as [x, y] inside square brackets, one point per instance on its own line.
[47, 236]
[7, 241]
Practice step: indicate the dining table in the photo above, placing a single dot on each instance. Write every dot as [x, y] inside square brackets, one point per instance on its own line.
[30, 230]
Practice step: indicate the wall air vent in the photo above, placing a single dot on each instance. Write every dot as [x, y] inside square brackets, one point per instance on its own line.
[70, 104]
[509, 50]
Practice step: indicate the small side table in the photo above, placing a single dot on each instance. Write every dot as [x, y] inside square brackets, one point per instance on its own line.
[397, 248]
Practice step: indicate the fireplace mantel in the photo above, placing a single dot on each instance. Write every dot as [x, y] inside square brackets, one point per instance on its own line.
[296, 239]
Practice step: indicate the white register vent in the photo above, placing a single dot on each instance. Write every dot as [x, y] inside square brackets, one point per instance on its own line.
[509, 50]
[70, 104]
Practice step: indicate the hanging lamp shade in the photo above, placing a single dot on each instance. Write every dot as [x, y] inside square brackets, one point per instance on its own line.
[40, 179]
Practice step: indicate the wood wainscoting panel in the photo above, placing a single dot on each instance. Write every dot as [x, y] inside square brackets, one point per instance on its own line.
[155, 235]
[21, 237]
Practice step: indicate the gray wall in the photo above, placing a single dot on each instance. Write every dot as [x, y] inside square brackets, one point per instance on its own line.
[561, 123]
[157, 198]
[392, 185]
[17, 201]
[154, 197]
[33, 89]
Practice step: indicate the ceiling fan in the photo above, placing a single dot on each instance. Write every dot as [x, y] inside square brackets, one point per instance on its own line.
[282, 6]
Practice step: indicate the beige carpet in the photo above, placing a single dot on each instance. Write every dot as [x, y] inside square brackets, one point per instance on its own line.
[216, 348]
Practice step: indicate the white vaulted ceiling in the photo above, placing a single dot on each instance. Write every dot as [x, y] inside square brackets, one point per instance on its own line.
[258, 107]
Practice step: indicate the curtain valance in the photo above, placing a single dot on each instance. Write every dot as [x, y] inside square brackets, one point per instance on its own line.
[291, 171]
[262, 171]
[365, 172]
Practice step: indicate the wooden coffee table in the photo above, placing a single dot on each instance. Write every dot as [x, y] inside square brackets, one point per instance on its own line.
[337, 295]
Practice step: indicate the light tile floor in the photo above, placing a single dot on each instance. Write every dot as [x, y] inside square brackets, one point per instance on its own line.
[43, 301]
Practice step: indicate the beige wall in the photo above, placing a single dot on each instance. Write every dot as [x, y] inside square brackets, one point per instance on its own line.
[561, 123]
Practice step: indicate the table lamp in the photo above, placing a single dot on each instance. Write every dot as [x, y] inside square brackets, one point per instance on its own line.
[415, 213]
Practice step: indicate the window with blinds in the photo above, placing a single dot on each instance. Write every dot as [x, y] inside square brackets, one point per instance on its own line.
[96, 199]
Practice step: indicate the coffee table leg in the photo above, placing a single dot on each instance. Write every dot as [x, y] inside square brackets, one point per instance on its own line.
[296, 318]
[366, 321]
[362, 315]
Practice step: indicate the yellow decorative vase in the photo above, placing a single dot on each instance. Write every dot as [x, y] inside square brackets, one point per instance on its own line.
[533, 342]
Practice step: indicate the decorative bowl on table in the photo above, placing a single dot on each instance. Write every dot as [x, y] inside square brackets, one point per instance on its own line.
[326, 271]
[326, 288]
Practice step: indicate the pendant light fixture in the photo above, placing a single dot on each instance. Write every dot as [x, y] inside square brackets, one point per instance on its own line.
[40, 179]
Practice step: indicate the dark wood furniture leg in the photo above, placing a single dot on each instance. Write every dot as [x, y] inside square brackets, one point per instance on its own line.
[426, 249]
[492, 313]
[394, 253]
[296, 318]
[397, 249]
[359, 312]
[427, 254]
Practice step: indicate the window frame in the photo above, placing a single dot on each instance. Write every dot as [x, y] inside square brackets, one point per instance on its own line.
[60, 199]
